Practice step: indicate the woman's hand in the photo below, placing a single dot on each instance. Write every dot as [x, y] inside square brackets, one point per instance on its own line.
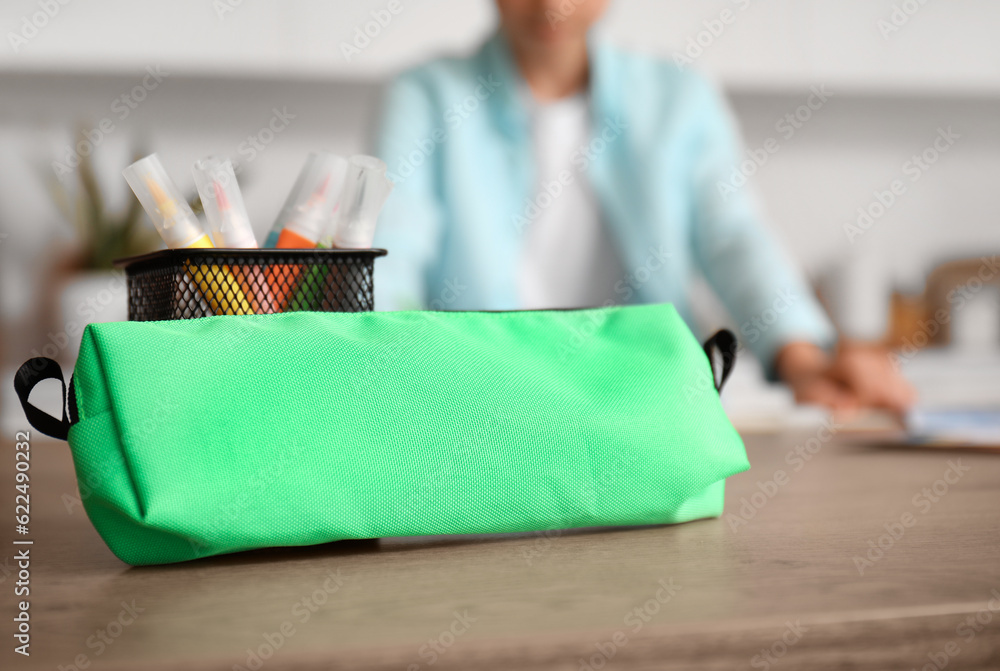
[858, 376]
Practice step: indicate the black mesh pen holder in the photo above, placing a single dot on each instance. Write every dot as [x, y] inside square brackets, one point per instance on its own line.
[191, 283]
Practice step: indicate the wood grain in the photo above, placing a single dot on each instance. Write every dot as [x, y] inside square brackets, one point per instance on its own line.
[554, 601]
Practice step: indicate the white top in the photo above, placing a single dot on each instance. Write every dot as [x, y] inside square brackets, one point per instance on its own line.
[568, 259]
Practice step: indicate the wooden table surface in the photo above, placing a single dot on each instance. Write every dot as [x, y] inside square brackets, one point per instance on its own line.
[782, 590]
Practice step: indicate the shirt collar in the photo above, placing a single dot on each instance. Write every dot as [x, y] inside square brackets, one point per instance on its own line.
[510, 110]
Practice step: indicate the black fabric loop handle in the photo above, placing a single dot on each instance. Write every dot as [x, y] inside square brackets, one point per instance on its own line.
[725, 343]
[30, 374]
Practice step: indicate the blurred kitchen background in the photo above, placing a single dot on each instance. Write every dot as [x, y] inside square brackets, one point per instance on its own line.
[186, 78]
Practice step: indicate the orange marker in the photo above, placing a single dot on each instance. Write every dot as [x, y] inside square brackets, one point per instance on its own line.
[306, 223]
[304, 231]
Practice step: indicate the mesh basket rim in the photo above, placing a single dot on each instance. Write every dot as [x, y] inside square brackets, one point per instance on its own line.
[179, 256]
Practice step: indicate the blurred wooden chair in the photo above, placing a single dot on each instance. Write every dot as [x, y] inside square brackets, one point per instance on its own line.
[925, 320]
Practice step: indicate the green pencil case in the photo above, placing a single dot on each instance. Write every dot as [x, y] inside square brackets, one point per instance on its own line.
[206, 436]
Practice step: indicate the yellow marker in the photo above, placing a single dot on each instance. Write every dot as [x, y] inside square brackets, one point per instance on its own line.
[175, 222]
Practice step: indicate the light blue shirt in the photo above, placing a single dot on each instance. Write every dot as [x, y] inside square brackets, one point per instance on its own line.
[456, 137]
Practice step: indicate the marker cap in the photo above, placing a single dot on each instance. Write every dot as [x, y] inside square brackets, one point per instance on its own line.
[172, 216]
[365, 192]
[228, 223]
[314, 198]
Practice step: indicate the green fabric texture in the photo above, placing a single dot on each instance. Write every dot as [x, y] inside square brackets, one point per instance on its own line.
[215, 435]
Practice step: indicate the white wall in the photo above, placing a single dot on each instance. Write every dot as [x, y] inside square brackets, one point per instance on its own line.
[890, 97]
[944, 46]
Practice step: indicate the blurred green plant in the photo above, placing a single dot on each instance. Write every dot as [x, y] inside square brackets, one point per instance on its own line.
[103, 236]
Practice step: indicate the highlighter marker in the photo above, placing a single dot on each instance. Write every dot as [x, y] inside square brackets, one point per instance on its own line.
[311, 218]
[306, 216]
[302, 232]
[319, 167]
[366, 188]
[180, 229]
[365, 191]
[229, 225]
